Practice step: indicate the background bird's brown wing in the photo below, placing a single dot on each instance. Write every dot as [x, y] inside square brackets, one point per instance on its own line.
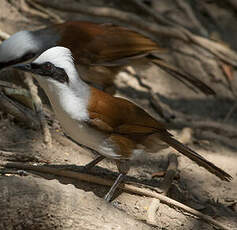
[112, 45]
[104, 43]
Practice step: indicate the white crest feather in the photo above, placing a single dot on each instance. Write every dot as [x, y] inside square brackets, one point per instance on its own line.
[60, 57]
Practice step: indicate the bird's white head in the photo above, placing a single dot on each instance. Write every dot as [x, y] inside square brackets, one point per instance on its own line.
[21, 46]
[58, 76]
[55, 66]
[58, 56]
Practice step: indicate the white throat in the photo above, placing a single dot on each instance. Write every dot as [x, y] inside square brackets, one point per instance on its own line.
[67, 99]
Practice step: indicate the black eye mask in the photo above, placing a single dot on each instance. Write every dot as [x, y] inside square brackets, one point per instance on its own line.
[46, 69]
[51, 71]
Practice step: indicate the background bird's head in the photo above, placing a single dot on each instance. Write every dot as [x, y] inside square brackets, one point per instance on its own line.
[25, 46]
[20, 47]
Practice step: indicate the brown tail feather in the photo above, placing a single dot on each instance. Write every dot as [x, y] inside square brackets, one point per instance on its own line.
[201, 161]
[181, 76]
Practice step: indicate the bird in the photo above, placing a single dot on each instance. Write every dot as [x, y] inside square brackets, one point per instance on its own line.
[113, 126]
[100, 51]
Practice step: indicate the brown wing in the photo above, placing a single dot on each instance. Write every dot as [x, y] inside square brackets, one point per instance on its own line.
[126, 120]
[93, 43]
[120, 116]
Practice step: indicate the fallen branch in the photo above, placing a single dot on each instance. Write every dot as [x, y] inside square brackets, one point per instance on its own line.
[125, 187]
[20, 112]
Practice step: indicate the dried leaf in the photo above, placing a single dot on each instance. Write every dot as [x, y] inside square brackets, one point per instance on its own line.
[228, 71]
[158, 174]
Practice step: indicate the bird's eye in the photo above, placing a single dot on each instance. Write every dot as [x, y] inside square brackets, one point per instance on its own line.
[48, 66]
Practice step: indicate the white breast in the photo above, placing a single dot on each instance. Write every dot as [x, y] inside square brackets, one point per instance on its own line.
[86, 135]
[71, 111]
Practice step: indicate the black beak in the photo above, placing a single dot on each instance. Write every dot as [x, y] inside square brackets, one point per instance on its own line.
[24, 67]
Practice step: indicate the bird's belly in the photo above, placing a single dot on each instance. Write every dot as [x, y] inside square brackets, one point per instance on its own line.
[88, 136]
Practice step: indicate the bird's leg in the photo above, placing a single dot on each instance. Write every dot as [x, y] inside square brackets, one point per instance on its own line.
[110, 194]
[94, 162]
[123, 167]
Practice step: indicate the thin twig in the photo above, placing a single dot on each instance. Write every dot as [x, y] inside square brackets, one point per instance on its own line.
[229, 114]
[187, 9]
[219, 50]
[125, 187]
[161, 108]
[52, 15]
[7, 172]
[8, 85]
[19, 91]
[38, 108]
[153, 13]
[128, 18]
[25, 7]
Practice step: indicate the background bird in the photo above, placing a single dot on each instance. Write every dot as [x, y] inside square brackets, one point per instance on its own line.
[114, 127]
[100, 51]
